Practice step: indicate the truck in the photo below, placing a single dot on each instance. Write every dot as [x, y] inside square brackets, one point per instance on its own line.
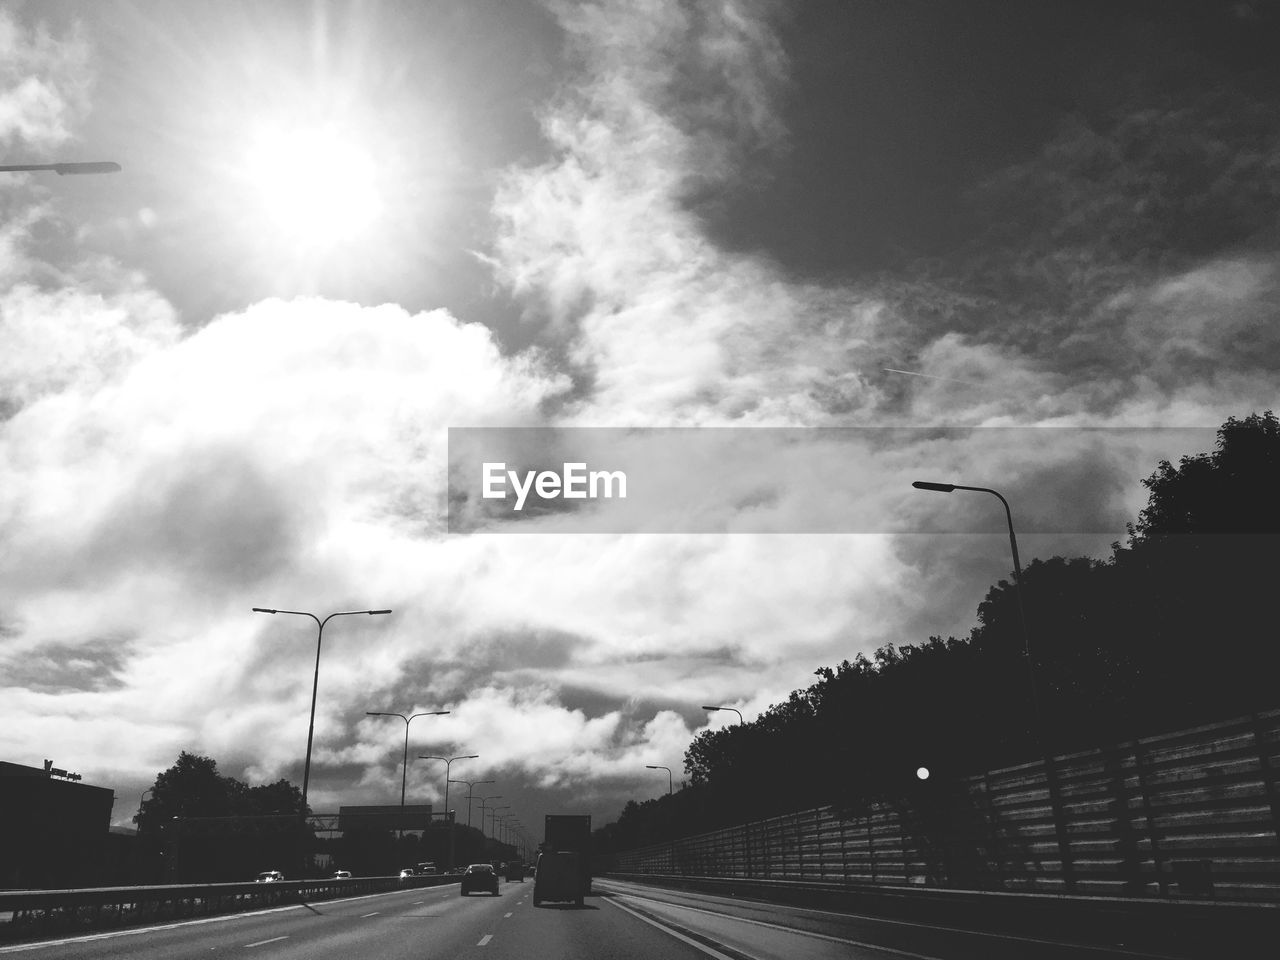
[570, 833]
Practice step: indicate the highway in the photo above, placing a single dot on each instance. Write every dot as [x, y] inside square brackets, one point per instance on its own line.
[621, 921]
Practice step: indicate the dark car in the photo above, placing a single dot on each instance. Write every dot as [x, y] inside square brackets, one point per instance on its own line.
[480, 876]
[515, 871]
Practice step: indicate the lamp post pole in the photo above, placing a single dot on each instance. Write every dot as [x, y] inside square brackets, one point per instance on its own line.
[496, 796]
[649, 766]
[315, 683]
[404, 767]
[1017, 579]
[470, 788]
[448, 762]
[493, 818]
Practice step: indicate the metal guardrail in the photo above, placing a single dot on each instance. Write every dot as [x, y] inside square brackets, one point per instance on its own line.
[32, 913]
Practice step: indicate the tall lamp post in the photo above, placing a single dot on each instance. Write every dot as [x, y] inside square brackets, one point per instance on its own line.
[470, 789]
[315, 683]
[404, 766]
[1017, 579]
[1038, 733]
[448, 762]
[493, 818]
[649, 766]
[734, 709]
[496, 796]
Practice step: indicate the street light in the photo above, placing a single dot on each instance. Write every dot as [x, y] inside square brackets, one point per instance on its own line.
[496, 796]
[1017, 579]
[448, 762]
[493, 818]
[649, 766]
[404, 766]
[315, 683]
[470, 788]
[734, 709]
[61, 169]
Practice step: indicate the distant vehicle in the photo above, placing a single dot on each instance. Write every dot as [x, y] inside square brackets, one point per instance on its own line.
[480, 876]
[558, 876]
[341, 875]
[571, 833]
[269, 876]
[428, 869]
[515, 871]
[408, 873]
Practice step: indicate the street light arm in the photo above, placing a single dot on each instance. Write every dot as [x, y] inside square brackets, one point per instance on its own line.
[734, 709]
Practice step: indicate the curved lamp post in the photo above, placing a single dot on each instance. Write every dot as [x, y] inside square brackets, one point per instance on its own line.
[315, 683]
[470, 789]
[649, 766]
[496, 796]
[404, 767]
[1017, 579]
[493, 818]
[734, 709]
[448, 762]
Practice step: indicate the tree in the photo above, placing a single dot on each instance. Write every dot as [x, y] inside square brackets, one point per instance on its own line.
[211, 827]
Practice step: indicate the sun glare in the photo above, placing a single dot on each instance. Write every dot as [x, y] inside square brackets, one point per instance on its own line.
[315, 187]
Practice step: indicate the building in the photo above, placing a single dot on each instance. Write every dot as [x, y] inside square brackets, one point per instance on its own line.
[53, 828]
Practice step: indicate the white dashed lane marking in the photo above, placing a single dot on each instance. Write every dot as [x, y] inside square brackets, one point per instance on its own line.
[485, 939]
[261, 942]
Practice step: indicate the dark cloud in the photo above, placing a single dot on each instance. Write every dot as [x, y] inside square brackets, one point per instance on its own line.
[92, 665]
[209, 514]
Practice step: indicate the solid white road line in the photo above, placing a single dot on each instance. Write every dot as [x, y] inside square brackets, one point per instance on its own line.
[794, 930]
[367, 915]
[1096, 948]
[672, 933]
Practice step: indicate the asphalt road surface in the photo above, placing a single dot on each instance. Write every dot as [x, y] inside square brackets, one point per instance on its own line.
[620, 921]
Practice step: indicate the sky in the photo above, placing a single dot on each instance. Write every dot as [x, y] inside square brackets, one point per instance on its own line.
[1030, 247]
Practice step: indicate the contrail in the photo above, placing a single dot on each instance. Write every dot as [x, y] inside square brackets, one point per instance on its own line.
[912, 373]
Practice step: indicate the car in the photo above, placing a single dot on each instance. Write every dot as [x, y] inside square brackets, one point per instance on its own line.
[428, 869]
[515, 871]
[341, 875]
[480, 876]
[408, 873]
[558, 876]
[269, 876]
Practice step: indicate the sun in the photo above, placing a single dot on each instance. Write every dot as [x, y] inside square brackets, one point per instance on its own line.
[316, 187]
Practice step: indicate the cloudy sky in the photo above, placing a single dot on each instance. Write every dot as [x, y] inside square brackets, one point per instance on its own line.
[228, 373]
